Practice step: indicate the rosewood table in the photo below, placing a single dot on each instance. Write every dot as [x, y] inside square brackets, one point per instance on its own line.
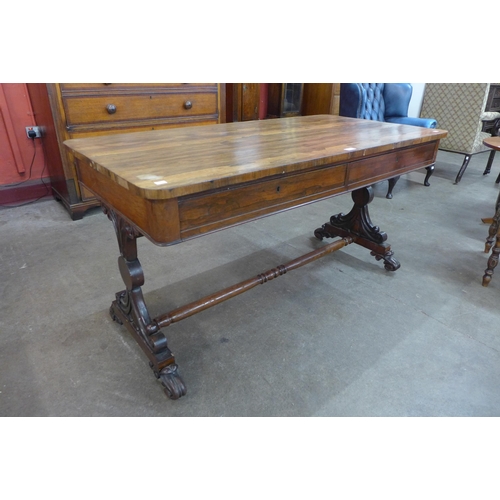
[493, 232]
[173, 185]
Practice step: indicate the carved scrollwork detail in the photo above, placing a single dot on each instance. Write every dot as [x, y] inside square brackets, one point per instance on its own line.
[172, 382]
[358, 225]
[358, 222]
[390, 263]
[124, 230]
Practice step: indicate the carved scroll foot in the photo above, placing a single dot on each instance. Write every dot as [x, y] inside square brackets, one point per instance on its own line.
[358, 225]
[173, 385]
[113, 315]
[390, 263]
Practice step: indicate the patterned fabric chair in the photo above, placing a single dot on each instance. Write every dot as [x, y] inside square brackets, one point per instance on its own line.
[460, 109]
[385, 102]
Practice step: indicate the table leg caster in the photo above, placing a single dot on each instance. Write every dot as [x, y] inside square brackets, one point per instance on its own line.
[173, 385]
[390, 263]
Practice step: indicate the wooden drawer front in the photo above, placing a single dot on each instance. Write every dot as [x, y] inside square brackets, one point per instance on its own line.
[86, 110]
[370, 170]
[110, 87]
[212, 211]
[94, 131]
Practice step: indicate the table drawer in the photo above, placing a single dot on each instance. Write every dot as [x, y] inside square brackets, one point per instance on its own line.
[200, 214]
[376, 168]
[107, 87]
[118, 108]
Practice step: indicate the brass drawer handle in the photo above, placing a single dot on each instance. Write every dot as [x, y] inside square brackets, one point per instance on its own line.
[188, 104]
[111, 109]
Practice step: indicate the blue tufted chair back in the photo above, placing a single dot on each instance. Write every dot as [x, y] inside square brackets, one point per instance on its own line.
[372, 105]
[383, 102]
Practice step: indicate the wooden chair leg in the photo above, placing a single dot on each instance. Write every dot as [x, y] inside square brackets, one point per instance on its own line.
[430, 170]
[487, 170]
[392, 183]
[462, 169]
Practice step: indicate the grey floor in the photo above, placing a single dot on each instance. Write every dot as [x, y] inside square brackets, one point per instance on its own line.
[339, 337]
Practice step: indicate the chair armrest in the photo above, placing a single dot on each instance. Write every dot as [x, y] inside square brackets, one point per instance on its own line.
[417, 122]
[489, 116]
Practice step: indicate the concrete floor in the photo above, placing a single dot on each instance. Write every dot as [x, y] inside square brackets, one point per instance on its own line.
[339, 337]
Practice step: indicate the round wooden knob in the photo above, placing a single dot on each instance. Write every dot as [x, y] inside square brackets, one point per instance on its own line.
[111, 109]
[188, 104]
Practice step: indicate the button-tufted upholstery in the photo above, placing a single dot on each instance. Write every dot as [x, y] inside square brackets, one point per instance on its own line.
[372, 102]
[382, 102]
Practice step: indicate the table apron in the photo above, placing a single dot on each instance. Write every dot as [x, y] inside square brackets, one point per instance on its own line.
[172, 220]
[206, 212]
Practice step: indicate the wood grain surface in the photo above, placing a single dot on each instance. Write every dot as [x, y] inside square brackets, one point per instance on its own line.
[492, 142]
[165, 164]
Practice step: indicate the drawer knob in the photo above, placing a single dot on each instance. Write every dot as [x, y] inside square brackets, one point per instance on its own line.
[188, 104]
[111, 109]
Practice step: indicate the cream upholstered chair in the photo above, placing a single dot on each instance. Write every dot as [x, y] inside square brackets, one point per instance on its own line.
[461, 109]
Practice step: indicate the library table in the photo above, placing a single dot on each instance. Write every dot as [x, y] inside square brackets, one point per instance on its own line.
[176, 184]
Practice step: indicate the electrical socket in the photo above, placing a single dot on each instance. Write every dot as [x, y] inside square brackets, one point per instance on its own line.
[37, 130]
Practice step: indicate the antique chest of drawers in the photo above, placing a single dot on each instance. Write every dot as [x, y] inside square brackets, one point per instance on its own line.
[72, 110]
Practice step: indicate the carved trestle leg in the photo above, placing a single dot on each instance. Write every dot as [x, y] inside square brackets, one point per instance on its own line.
[130, 309]
[357, 225]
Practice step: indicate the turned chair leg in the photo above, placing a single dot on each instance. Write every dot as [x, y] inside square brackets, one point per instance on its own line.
[462, 169]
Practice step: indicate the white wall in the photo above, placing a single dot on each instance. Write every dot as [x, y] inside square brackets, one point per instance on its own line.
[417, 98]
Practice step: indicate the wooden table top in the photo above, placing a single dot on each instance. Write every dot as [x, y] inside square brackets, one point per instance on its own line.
[163, 164]
[492, 142]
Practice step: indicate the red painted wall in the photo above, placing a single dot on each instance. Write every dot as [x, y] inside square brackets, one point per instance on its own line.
[22, 160]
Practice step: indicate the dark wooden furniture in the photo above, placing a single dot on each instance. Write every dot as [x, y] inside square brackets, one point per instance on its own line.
[242, 101]
[73, 110]
[173, 185]
[494, 230]
[321, 99]
[284, 100]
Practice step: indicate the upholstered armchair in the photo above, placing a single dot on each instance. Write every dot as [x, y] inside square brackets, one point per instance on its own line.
[385, 102]
[462, 110]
